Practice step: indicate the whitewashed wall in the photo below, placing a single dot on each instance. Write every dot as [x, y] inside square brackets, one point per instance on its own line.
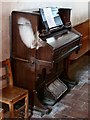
[79, 14]
[0, 31]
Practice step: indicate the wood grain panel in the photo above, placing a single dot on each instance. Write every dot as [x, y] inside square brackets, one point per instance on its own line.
[83, 28]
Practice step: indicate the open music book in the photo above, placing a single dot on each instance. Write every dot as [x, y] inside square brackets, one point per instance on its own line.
[51, 18]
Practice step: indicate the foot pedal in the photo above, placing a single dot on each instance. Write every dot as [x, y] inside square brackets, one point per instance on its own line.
[54, 91]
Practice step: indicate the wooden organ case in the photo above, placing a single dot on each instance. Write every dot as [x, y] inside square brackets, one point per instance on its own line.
[39, 70]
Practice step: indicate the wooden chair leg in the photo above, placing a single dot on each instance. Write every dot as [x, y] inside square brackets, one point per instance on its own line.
[11, 108]
[26, 106]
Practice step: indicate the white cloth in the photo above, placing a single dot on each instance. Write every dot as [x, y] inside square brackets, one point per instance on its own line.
[27, 35]
[26, 32]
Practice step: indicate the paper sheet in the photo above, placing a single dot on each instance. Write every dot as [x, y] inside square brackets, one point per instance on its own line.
[50, 40]
[49, 17]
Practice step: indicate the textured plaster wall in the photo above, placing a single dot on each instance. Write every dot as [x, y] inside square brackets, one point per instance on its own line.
[78, 15]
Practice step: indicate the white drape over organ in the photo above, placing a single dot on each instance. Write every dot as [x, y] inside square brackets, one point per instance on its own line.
[26, 32]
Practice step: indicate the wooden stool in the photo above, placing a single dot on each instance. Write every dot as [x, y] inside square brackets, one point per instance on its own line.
[12, 94]
[1, 114]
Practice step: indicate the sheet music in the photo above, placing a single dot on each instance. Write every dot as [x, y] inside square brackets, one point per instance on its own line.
[49, 17]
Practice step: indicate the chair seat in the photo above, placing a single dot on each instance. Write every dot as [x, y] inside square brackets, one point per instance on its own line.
[12, 93]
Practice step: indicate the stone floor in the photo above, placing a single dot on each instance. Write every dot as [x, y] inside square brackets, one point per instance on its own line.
[76, 103]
